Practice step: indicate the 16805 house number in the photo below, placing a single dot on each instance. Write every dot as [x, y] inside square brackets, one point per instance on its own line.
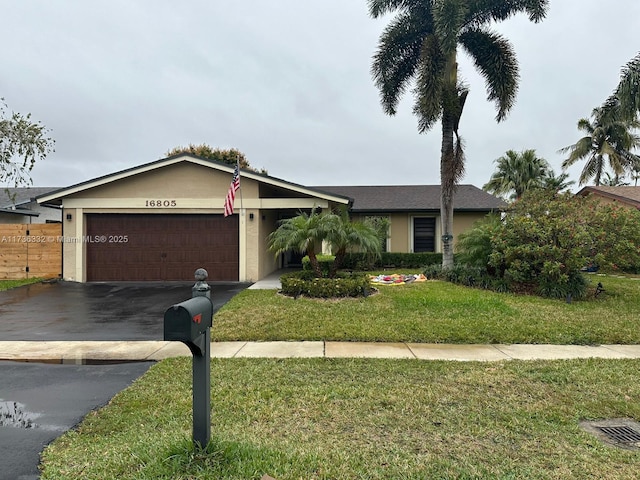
[160, 203]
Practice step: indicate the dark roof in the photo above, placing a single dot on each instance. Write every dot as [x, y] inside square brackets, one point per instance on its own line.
[23, 195]
[416, 198]
[625, 194]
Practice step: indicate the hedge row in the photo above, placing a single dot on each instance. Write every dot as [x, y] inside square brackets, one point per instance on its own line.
[359, 261]
[344, 285]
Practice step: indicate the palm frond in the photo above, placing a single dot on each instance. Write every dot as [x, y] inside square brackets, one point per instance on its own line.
[628, 90]
[592, 169]
[579, 150]
[396, 59]
[378, 8]
[429, 84]
[483, 12]
[584, 125]
[448, 18]
[495, 59]
[458, 159]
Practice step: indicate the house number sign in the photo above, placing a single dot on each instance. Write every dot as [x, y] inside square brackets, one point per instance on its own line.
[158, 203]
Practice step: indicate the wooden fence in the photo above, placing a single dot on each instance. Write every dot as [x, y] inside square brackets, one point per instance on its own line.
[28, 251]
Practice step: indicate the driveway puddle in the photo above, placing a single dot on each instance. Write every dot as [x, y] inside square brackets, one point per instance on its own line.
[13, 414]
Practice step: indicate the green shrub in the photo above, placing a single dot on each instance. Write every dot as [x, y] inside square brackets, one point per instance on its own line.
[433, 271]
[343, 285]
[468, 275]
[545, 239]
[475, 246]
[575, 286]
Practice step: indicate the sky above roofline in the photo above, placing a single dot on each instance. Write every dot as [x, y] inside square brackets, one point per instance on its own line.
[120, 83]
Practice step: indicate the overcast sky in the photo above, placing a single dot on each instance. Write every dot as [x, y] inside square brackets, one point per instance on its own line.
[288, 83]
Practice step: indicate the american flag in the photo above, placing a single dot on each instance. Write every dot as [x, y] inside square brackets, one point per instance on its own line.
[231, 194]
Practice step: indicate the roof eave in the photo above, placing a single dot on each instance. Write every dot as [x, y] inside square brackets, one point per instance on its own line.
[26, 213]
[55, 197]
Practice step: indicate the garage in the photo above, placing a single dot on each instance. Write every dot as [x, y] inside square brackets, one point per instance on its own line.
[161, 247]
[162, 220]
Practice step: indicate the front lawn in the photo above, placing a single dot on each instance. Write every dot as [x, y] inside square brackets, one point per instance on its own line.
[361, 419]
[8, 284]
[437, 312]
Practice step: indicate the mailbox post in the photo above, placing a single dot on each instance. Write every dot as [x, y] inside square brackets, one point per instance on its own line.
[190, 322]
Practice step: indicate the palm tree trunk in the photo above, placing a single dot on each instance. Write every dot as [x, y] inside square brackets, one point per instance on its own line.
[313, 260]
[447, 185]
[337, 262]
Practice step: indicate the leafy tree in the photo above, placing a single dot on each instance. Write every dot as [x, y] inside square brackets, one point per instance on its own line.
[543, 243]
[609, 140]
[615, 236]
[517, 172]
[230, 156]
[545, 239]
[420, 45]
[22, 143]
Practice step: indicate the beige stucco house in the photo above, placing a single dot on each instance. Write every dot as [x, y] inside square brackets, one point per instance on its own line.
[162, 220]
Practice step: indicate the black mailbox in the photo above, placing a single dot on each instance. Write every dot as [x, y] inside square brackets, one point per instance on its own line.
[188, 322]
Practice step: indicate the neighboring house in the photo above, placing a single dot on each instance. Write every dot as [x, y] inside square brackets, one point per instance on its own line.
[18, 205]
[625, 196]
[164, 219]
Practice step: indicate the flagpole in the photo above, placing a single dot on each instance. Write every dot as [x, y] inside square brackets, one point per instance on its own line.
[238, 160]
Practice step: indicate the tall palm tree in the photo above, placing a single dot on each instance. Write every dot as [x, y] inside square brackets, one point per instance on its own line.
[518, 172]
[626, 96]
[420, 48]
[609, 140]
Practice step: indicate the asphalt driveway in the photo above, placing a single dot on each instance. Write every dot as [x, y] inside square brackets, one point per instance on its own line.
[40, 402]
[96, 311]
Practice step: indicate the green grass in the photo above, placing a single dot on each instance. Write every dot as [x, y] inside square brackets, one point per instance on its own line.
[437, 312]
[8, 284]
[361, 419]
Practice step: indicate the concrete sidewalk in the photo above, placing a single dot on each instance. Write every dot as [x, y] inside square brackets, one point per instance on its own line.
[107, 351]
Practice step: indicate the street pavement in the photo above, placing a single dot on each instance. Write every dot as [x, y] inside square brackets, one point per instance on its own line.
[39, 402]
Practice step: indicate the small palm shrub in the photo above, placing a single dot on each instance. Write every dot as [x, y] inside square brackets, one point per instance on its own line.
[325, 262]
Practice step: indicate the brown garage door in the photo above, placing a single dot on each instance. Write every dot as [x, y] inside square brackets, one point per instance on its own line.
[128, 247]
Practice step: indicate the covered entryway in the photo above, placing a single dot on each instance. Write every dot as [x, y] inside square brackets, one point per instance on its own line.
[149, 247]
